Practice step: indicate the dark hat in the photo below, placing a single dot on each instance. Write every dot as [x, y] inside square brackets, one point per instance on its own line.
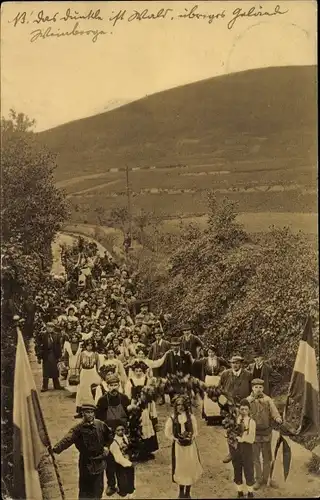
[175, 341]
[257, 381]
[185, 326]
[88, 406]
[235, 359]
[258, 353]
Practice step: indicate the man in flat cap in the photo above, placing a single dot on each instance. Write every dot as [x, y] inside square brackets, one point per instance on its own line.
[112, 408]
[264, 412]
[190, 342]
[48, 349]
[236, 382]
[91, 437]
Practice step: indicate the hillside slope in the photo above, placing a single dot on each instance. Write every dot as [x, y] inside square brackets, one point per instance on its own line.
[267, 113]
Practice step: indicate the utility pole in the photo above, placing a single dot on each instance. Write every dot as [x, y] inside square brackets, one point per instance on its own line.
[129, 203]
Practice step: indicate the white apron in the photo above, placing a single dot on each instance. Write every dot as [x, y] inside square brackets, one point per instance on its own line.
[210, 408]
[73, 358]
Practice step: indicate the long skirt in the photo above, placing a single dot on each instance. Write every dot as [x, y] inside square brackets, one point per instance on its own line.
[88, 377]
[210, 408]
[186, 466]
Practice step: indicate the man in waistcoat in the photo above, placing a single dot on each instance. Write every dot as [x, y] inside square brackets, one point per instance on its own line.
[91, 437]
[112, 408]
[49, 351]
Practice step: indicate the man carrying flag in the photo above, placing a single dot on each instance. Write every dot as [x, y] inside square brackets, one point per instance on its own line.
[30, 438]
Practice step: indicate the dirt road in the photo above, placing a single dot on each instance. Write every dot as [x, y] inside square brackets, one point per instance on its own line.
[153, 479]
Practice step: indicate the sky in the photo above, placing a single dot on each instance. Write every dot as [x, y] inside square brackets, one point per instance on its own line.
[59, 79]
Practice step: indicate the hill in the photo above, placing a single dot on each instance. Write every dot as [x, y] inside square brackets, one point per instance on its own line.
[250, 134]
[258, 112]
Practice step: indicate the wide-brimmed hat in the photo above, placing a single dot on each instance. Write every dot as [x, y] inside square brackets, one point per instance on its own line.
[257, 353]
[175, 341]
[236, 359]
[185, 326]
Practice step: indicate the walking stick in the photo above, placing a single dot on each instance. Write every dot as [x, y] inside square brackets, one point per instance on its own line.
[56, 469]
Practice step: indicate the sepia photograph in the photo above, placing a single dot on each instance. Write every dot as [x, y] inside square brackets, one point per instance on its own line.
[159, 250]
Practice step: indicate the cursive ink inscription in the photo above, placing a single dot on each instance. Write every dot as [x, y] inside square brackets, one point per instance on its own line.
[118, 17]
[39, 34]
[41, 18]
[145, 14]
[75, 16]
[194, 14]
[253, 12]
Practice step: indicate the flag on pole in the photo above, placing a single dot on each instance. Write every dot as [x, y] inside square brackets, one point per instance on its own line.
[301, 415]
[30, 438]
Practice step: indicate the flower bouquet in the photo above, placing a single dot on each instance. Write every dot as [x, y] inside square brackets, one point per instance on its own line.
[185, 438]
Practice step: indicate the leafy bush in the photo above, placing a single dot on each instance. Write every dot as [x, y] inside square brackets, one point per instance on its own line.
[31, 214]
[247, 292]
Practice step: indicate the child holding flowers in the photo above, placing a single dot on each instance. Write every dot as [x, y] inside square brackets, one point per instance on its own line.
[181, 429]
[242, 449]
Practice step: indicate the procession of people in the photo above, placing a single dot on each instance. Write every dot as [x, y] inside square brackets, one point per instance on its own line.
[106, 349]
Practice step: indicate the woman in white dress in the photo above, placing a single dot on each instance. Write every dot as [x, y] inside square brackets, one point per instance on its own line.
[181, 428]
[88, 366]
[71, 353]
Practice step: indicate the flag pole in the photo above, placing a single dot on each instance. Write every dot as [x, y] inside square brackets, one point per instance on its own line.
[40, 415]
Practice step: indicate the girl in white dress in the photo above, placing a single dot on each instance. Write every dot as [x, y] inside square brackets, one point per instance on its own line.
[88, 366]
[71, 353]
[181, 428]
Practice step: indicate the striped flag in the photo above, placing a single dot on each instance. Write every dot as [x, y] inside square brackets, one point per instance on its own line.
[301, 414]
[30, 437]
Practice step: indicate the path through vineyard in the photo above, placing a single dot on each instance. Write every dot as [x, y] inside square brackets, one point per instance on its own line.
[153, 479]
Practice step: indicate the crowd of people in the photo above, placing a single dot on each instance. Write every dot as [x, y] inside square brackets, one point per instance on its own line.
[109, 350]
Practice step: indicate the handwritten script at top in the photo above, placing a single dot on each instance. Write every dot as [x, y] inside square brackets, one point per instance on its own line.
[68, 23]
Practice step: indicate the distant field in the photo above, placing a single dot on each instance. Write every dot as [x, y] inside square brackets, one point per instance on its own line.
[256, 223]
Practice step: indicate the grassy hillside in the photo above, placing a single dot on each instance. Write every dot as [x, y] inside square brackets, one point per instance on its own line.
[250, 136]
[257, 113]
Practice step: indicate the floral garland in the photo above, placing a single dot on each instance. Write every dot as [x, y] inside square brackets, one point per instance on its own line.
[189, 386]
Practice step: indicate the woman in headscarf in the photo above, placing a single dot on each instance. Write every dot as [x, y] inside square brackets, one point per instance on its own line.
[208, 370]
[71, 353]
[134, 391]
[88, 365]
[181, 428]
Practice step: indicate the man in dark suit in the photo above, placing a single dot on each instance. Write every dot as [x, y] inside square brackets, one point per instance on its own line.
[190, 342]
[175, 360]
[159, 347]
[262, 369]
[49, 351]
